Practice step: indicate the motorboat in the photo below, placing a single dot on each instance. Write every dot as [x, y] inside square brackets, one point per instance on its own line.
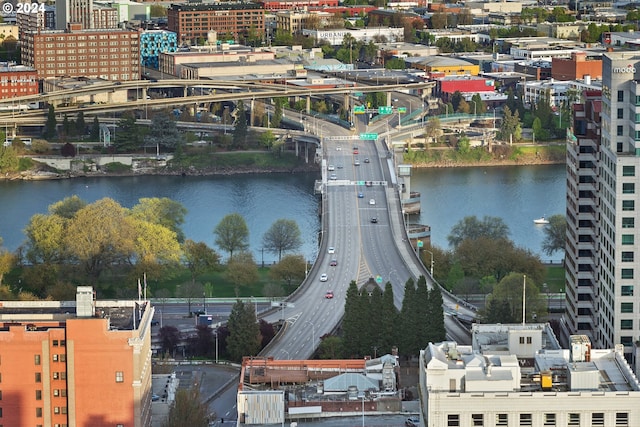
[542, 220]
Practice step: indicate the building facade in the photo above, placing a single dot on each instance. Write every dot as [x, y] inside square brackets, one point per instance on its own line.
[601, 216]
[193, 22]
[577, 67]
[17, 80]
[88, 368]
[297, 4]
[522, 382]
[111, 55]
[74, 12]
[155, 42]
[41, 20]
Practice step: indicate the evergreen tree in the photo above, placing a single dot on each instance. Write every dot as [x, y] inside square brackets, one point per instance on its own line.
[244, 332]
[422, 314]
[81, 125]
[50, 126]
[240, 131]
[435, 316]
[353, 322]
[389, 316]
[376, 321]
[95, 129]
[408, 323]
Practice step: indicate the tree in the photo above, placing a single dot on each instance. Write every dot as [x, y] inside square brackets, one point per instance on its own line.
[95, 129]
[45, 239]
[164, 132]
[170, 337]
[242, 270]
[509, 290]
[433, 129]
[436, 331]
[203, 343]
[7, 261]
[240, 131]
[67, 207]
[472, 228]
[555, 234]
[510, 127]
[330, 347]
[9, 160]
[232, 234]
[190, 291]
[388, 334]
[409, 320]
[267, 139]
[188, 410]
[51, 124]
[354, 322]
[244, 332]
[81, 125]
[162, 211]
[282, 236]
[290, 269]
[156, 249]
[199, 258]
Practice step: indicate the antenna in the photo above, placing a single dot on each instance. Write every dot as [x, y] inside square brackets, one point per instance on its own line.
[524, 288]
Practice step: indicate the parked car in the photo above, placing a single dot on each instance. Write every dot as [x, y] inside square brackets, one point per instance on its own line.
[412, 422]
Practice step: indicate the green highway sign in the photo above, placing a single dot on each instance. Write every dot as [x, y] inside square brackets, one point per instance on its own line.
[357, 94]
[402, 110]
[360, 183]
[378, 279]
[372, 136]
[385, 110]
[359, 109]
[420, 244]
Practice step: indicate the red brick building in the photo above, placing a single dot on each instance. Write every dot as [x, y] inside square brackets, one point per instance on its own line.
[447, 86]
[88, 365]
[297, 4]
[108, 54]
[578, 66]
[192, 22]
[17, 80]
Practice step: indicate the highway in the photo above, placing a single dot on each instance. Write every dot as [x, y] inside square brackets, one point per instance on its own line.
[363, 249]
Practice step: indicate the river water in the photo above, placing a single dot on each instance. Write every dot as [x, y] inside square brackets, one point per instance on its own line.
[516, 194]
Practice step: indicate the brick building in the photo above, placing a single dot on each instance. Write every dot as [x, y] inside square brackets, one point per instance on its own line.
[17, 80]
[111, 55]
[193, 22]
[578, 66]
[84, 364]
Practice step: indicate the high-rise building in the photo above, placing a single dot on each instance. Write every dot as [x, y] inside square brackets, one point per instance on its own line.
[74, 12]
[602, 235]
[107, 54]
[82, 364]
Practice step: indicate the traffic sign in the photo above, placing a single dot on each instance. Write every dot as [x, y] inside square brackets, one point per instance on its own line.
[358, 109]
[420, 244]
[378, 279]
[357, 94]
[372, 136]
[402, 110]
[385, 110]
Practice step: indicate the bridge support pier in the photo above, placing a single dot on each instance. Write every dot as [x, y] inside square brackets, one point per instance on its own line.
[308, 104]
[251, 109]
[388, 98]
[347, 106]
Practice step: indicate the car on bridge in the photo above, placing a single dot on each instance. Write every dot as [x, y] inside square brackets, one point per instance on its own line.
[324, 277]
[360, 196]
[329, 295]
[374, 220]
[372, 201]
[331, 168]
[333, 177]
[333, 262]
[331, 250]
[366, 160]
[356, 162]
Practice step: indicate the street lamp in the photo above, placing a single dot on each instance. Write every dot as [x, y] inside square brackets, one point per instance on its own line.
[431, 262]
[313, 331]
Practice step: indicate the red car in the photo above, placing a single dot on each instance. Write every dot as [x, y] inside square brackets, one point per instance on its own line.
[329, 295]
[333, 262]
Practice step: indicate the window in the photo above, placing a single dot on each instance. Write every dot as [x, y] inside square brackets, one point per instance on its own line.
[619, 131]
[628, 239]
[453, 420]
[119, 376]
[620, 96]
[38, 377]
[521, 340]
[626, 291]
[63, 357]
[56, 375]
[628, 171]
[39, 412]
[597, 419]
[626, 340]
[627, 273]
[56, 410]
[63, 409]
[526, 420]
[63, 343]
[627, 256]
[626, 307]
[55, 343]
[628, 188]
[56, 392]
[63, 393]
[626, 324]
[38, 394]
[55, 357]
[36, 359]
[622, 419]
[477, 420]
[63, 375]
[628, 205]
[628, 222]
[573, 419]
[549, 419]
[620, 113]
[529, 340]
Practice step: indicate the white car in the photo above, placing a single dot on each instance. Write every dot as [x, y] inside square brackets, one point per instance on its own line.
[324, 277]
[372, 202]
[333, 177]
[331, 250]
[331, 168]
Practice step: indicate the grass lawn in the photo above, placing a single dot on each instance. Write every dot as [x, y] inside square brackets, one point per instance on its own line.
[555, 279]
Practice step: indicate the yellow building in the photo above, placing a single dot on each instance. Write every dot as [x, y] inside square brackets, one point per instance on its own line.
[447, 66]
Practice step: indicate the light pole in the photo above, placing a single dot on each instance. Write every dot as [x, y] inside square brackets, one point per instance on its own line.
[363, 410]
[431, 253]
[216, 333]
[313, 331]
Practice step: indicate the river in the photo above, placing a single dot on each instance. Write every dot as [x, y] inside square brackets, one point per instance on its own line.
[517, 194]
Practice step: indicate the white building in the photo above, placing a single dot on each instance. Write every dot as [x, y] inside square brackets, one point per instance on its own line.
[557, 91]
[335, 37]
[602, 237]
[514, 376]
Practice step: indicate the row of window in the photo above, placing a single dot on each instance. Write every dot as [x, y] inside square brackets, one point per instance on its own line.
[54, 357]
[549, 419]
[91, 37]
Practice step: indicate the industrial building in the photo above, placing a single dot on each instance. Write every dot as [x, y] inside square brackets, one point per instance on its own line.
[517, 375]
[75, 363]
